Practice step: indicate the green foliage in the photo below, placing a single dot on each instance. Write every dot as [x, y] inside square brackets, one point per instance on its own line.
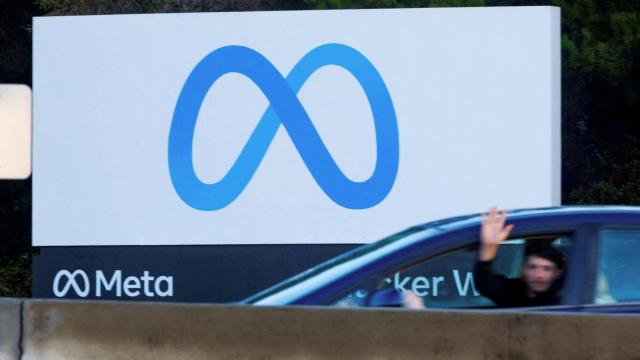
[601, 73]
[15, 238]
[98, 7]
[369, 4]
[101, 7]
[15, 274]
[15, 41]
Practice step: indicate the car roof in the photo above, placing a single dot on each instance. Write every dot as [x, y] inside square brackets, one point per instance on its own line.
[457, 222]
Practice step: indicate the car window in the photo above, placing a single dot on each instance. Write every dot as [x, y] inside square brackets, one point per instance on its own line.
[446, 281]
[618, 276]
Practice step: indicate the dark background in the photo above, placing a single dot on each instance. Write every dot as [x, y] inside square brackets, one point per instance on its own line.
[600, 114]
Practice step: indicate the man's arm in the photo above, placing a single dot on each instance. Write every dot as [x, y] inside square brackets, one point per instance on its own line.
[493, 232]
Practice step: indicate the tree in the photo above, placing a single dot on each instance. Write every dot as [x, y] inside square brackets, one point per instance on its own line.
[601, 73]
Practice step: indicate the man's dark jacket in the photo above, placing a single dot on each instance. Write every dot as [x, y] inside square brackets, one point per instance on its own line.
[506, 292]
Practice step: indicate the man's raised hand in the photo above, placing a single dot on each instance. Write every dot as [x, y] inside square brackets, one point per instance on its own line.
[493, 233]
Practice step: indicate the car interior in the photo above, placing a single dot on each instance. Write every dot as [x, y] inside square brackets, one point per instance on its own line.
[446, 280]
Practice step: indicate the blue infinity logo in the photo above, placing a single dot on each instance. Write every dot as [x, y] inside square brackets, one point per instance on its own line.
[284, 109]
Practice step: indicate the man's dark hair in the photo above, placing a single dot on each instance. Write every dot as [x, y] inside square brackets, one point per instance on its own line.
[546, 251]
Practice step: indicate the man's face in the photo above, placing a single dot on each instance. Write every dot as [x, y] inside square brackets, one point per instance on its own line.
[539, 273]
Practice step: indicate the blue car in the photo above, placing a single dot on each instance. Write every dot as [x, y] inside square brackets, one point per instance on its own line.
[600, 246]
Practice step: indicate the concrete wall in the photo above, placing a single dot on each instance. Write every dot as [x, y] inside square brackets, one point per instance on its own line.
[111, 330]
[10, 329]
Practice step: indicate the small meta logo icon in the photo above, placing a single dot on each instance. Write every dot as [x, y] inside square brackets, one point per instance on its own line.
[78, 280]
[285, 109]
[131, 286]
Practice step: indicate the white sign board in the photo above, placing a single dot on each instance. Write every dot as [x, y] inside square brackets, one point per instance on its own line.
[290, 127]
[15, 131]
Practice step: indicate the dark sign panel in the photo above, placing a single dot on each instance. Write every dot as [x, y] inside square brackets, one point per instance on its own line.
[170, 273]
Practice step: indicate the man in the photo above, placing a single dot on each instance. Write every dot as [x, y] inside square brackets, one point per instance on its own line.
[541, 273]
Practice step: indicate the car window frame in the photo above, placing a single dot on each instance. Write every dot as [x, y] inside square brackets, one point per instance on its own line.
[581, 274]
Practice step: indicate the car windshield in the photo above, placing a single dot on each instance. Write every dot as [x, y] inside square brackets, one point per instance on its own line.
[333, 263]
